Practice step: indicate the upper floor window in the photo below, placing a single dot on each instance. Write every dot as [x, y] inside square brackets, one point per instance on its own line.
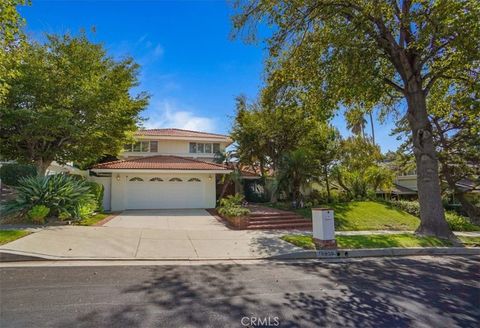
[142, 147]
[204, 148]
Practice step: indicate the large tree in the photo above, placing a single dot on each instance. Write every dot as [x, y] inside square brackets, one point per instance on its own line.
[69, 102]
[375, 52]
[10, 40]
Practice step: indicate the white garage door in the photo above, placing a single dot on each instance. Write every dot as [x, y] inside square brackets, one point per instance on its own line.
[165, 193]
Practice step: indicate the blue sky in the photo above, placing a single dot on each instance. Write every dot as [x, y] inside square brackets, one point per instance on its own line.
[190, 66]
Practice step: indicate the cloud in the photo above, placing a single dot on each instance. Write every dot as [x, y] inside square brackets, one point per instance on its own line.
[169, 114]
[158, 51]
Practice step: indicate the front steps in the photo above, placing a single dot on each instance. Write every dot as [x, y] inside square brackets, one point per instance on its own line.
[266, 218]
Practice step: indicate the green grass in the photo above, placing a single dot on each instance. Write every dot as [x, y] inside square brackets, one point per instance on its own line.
[367, 215]
[7, 236]
[372, 241]
[93, 219]
[470, 241]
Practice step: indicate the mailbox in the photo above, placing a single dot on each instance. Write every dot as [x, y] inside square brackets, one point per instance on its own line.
[323, 228]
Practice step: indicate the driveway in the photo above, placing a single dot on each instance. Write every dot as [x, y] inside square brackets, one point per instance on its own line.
[188, 219]
[159, 234]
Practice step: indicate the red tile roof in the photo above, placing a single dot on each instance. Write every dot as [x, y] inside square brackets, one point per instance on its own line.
[180, 133]
[161, 162]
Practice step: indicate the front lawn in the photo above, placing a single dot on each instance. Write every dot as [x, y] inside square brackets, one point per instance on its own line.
[94, 219]
[368, 215]
[371, 241]
[7, 236]
[470, 241]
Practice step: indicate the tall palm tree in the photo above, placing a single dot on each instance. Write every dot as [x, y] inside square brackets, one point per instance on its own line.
[356, 121]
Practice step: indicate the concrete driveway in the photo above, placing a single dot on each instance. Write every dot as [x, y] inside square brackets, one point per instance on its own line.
[188, 219]
[159, 234]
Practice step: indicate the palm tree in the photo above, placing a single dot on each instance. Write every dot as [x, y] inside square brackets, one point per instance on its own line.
[356, 121]
[228, 158]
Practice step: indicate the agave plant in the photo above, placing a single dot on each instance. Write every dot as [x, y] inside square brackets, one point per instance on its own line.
[60, 193]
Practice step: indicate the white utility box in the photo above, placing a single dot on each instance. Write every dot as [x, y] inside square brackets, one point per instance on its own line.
[323, 227]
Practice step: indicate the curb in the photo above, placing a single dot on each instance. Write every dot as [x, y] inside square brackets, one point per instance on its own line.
[378, 252]
[15, 256]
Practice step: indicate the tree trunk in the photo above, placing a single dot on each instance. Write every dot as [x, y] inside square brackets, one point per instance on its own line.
[226, 183]
[432, 213]
[373, 128]
[42, 166]
[329, 197]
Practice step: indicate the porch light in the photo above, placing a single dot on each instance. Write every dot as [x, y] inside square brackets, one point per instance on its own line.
[118, 177]
[210, 177]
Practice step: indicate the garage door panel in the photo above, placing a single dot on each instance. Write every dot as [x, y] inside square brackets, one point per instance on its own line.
[165, 194]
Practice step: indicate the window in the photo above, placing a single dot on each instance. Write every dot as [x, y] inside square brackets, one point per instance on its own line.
[142, 147]
[153, 146]
[136, 147]
[194, 180]
[208, 148]
[145, 146]
[204, 148]
[156, 179]
[193, 147]
[175, 180]
[136, 179]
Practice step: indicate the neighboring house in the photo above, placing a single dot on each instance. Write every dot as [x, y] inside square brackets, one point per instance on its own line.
[164, 169]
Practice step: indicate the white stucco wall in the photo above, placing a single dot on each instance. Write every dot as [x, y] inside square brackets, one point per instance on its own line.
[175, 147]
[119, 185]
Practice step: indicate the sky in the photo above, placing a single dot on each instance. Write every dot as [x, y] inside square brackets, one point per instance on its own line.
[190, 66]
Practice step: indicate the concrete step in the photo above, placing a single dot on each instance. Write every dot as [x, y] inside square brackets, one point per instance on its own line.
[275, 214]
[266, 218]
[280, 226]
[293, 220]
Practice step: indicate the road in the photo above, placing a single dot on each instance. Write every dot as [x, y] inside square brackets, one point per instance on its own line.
[383, 292]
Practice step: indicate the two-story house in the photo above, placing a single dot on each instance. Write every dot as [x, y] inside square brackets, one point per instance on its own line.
[164, 169]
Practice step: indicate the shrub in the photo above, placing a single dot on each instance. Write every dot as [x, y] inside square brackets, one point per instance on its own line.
[411, 207]
[10, 174]
[60, 193]
[459, 223]
[231, 206]
[85, 209]
[38, 213]
[96, 189]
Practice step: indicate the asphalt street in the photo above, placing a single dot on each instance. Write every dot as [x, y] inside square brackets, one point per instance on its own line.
[383, 292]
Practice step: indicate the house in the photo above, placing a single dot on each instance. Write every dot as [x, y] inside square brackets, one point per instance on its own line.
[164, 169]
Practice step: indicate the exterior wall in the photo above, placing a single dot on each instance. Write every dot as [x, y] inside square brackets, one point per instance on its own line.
[119, 185]
[407, 181]
[175, 147]
[107, 192]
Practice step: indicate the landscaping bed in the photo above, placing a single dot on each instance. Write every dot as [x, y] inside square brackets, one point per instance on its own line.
[381, 241]
[96, 219]
[7, 236]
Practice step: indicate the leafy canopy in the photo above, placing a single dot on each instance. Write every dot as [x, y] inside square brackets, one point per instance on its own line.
[70, 102]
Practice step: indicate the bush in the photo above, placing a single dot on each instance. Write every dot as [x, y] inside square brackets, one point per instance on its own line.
[96, 189]
[60, 193]
[411, 207]
[38, 213]
[454, 220]
[459, 223]
[231, 206]
[10, 174]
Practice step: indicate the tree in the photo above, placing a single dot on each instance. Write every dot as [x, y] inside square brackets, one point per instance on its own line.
[70, 102]
[10, 40]
[324, 142]
[356, 121]
[358, 170]
[456, 129]
[379, 53]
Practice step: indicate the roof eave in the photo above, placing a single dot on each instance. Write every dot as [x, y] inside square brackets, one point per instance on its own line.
[219, 171]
